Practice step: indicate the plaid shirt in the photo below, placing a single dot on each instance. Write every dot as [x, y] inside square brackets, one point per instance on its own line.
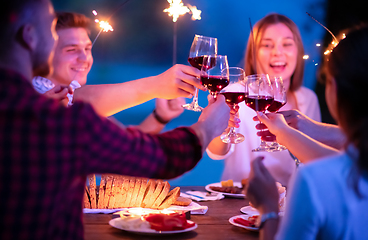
[46, 151]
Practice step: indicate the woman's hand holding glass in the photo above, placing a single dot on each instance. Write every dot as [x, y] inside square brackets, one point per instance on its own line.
[234, 94]
[279, 95]
[260, 97]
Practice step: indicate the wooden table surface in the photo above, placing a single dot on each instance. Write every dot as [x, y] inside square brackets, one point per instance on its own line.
[212, 225]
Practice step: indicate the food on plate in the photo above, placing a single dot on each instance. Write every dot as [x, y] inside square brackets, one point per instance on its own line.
[252, 221]
[228, 187]
[228, 183]
[117, 191]
[182, 201]
[233, 189]
[168, 222]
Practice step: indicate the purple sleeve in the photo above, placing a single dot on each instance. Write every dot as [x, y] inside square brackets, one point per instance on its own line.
[108, 148]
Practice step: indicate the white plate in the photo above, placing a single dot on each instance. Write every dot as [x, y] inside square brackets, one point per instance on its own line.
[236, 195]
[231, 220]
[116, 223]
[252, 211]
[249, 210]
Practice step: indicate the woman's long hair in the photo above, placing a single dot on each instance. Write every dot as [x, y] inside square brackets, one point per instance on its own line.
[348, 65]
[296, 79]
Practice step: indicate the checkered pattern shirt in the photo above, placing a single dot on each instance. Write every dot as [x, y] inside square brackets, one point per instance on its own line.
[47, 150]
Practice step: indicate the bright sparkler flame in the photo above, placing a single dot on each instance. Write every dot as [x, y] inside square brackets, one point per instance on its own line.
[105, 26]
[196, 13]
[176, 9]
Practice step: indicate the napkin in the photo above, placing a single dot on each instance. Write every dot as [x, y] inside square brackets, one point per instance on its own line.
[194, 208]
[202, 196]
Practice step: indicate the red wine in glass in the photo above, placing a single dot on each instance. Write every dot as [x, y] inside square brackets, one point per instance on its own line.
[258, 103]
[214, 83]
[197, 62]
[275, 106]
[233, 98]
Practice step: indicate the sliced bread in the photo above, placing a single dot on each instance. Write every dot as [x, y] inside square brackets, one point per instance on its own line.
[171, 198]
[160, 198]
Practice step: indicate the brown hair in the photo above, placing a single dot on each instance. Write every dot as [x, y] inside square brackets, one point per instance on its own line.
[347, 65]
[72, 20]
[297, 78]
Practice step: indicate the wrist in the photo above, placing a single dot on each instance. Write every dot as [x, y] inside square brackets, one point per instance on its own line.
[159, 118]
[268, 216]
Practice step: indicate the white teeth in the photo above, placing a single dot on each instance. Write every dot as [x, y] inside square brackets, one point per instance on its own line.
[278, 64]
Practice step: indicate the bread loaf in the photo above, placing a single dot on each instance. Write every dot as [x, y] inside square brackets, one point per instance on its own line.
[170, 198]
[163, 194]
[122, 191]
[92, 190]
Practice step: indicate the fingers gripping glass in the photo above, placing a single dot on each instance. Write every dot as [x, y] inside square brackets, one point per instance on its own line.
[201, 46]
[279, 95]
[234, 94]
[215, 73]
[260, 97]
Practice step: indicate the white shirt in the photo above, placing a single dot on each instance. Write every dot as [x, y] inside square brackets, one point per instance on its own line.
[42, 85]
[280, 164]
[322, 204]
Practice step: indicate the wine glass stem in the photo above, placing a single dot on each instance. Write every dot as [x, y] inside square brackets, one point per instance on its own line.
[195, 97]
[263, 143]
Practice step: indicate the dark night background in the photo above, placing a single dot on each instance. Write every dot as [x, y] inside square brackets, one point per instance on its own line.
[141, 45]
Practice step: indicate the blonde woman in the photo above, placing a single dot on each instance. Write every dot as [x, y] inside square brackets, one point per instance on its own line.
[279, 51]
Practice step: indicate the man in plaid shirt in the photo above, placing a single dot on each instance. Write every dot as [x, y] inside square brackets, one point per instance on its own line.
[46, 150]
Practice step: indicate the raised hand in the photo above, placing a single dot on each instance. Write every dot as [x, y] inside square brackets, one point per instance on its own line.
[169, 109]
[60, 93]
[261, 189]
[178, 81]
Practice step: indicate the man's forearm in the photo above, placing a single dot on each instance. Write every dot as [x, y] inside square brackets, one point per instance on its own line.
[108, 99]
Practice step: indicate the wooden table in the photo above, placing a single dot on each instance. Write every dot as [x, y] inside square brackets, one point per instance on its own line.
[212, 225]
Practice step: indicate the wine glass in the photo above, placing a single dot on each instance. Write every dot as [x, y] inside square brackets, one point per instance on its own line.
[260, 97]
[234, 94]
[279, 100]
[201, 46]
[215, 73]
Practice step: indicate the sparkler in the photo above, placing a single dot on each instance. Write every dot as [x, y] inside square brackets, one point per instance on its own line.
[175, 10]
[104, 25]
[333, 44]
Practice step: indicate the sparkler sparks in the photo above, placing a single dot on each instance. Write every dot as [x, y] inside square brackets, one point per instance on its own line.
[196, 13]
[176, 9]
[104, 25]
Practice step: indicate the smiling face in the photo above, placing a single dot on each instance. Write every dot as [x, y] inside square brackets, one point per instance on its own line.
[277, 52]
[73, 57]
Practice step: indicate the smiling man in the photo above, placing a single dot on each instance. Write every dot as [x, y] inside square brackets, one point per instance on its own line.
[73, 57]
[73, 61]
